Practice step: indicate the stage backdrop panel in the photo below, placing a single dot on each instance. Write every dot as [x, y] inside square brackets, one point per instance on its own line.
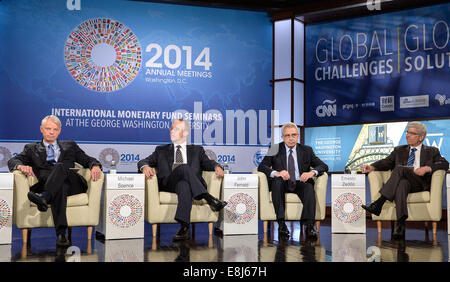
[392, 66]
[347, 147]
[118, 71]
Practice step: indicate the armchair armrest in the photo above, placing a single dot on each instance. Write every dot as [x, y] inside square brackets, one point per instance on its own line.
[213, 183]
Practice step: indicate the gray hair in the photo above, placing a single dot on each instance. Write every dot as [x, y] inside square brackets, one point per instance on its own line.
[187, 125]
[53, 118]
[288, 125]
[421, 128]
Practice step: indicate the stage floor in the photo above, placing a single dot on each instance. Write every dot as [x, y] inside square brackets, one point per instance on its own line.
[418, 246]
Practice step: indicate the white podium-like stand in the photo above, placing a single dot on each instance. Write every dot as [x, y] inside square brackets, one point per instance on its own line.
[448, 206]
[240, 216]
[348, 193]
[6, 207]
[122, 206]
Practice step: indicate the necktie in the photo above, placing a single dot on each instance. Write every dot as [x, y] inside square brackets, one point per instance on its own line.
[51, 154]
[291, 170]
[179, 156]
[411, 157]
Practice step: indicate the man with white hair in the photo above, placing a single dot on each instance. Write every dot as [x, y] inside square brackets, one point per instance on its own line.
[412, 166]
[51, 160]
[288, 170]
[180, 167]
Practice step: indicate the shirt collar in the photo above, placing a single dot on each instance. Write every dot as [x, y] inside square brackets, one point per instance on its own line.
[55, 144]
[183, 145]
[293, 149]
[418, 147]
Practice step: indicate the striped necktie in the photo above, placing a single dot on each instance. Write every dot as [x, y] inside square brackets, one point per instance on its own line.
[411, 157]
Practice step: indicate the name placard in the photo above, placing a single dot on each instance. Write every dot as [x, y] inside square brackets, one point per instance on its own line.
[125, 181]
[348, 180]
[240, 181]
[6, 181]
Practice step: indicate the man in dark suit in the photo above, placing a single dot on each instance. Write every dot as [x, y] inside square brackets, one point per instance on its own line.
[412, 166]
[180, 169]
[289, 171]
[51, 161]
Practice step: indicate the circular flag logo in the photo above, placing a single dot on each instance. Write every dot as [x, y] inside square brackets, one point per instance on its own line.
[103, 55]
[5, 155]
[107, 156]
[347, 208]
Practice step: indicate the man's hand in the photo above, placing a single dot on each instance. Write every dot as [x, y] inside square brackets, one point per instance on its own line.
[421, 171]
[148, 171]
[219, 171]
[95, 173]
[283, 174]
[366, 168]
[25, 169]
[306, 175]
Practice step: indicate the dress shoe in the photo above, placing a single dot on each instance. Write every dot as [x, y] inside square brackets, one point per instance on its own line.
[182, 234]
[373, 208]
[40, 202]
[310, 232]
[399, 232]
[283, 231]
[217, 204]
[62, 241]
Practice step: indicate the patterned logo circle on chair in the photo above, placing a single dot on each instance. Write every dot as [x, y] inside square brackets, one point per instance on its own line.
[241, 208]
[125, 211]
[347, 208]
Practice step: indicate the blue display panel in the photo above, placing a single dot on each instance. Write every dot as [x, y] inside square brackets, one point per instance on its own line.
[116, 71]
[346, 147]
[387, 67]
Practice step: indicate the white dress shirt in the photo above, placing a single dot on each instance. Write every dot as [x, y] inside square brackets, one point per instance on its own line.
[416, 156]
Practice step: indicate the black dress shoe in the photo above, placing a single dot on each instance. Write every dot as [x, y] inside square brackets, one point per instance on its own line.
[310, 232]
[217, 204]
[399, 232]
[373, 208]
[40, 202]
[182, 234]
[283, 231]
[62, 241]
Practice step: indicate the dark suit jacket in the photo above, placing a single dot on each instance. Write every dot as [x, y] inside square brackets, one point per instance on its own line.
[429, 156]
[305, 159]
[162, 160]
[35, 155]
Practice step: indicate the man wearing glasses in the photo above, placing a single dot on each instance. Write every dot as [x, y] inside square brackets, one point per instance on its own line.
[412, 166]
[291, 169]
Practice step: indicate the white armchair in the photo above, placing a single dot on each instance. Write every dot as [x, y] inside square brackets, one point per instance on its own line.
[293, 209]
[422, 206]
[82, 209]
[160, 207]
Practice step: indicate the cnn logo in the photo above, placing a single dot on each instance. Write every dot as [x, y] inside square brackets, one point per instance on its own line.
[373, 5]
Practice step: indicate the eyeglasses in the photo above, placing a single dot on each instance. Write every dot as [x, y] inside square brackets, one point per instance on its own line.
[411, 133]
[294, 135]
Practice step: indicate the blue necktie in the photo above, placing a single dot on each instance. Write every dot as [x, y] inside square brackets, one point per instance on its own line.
[51, 154]
[411, 157]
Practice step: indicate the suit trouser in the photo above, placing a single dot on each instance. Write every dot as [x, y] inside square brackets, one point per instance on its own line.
[403, 181]
[304, 190]
[59, 188]
[185, 183]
